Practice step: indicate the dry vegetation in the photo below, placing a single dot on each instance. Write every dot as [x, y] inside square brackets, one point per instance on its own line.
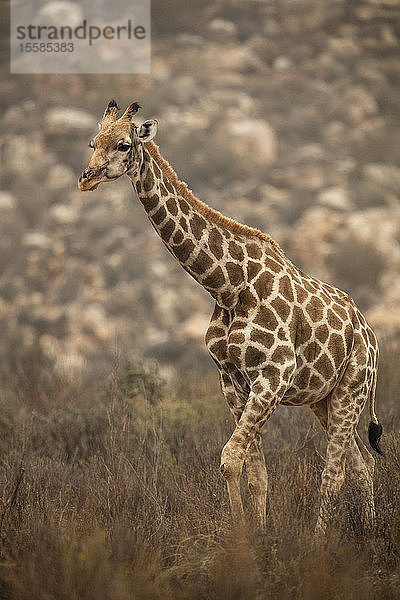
[114, 493]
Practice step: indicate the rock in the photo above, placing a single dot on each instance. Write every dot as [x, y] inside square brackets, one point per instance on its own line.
[387, 176]
[23, 155]
[61, 11]
[64, 213]
[309, 177]
[254, 139]
[222, 30]
[8, 201]
[37, 239]
[354, 106]
[185, 90]
[334, 134]
[283, 64]
[336, 198]
[62, 120]
[344, 48]
[59, 177]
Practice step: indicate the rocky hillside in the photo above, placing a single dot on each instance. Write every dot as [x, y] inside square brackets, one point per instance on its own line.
[284, 115]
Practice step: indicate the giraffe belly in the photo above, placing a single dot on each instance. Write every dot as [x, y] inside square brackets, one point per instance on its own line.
[313, 382]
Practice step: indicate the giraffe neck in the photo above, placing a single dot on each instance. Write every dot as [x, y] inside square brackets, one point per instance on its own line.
[219, 253]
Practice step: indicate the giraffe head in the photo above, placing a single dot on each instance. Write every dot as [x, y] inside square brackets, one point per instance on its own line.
[117, 147]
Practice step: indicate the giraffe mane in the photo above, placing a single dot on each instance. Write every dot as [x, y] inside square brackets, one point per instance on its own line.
[203, 208]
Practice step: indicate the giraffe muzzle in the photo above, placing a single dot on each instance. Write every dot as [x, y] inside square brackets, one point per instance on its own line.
[91, 178]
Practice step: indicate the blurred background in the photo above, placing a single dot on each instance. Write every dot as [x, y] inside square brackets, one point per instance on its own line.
[283, 114]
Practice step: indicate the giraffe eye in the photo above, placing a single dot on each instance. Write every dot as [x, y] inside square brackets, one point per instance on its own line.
[91, 144]
[123, 147]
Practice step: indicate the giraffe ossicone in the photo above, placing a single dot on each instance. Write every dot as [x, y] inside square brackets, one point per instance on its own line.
[277, 335]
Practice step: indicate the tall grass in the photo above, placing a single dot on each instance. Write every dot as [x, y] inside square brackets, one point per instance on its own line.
[115, 493]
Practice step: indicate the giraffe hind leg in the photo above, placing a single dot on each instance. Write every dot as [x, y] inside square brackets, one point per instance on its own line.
[359, 465]
[259, 407]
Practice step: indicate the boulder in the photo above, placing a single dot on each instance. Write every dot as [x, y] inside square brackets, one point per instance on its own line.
[254, 139]
[63, 120]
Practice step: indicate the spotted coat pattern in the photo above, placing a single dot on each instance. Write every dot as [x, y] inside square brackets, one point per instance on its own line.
[276, 334]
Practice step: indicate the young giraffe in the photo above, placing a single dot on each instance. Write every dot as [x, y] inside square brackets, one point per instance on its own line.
[277, 335]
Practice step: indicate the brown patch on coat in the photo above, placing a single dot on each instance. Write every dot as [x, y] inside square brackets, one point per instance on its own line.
[262, 337]
[148, 183]
[159, 216]
[273, 265]
[214, 332]
[236, 251]
[336, 349]
[281, 307]
[235, 354]
[264, 284]
[247, 300]
[324, 366]
[197, 225]
[202, 263]
[183, 223]
[178, 237]
[215, 279]
[303, 378]
[253, 269]
[184, 206]
[281, 354]
[253, 251]
[167, 230]
[227, 298]
[237, 337]
[311, 351]
[282, 334]
[215, 241]
[315, 309]
[315, 382]
[235, 273]
[334, 320]
[150, 202]
[286, 289]
[273, 375]
[219, 349]
[254, 357]
[301, 293]
[322, 333]
[183, 251]
[163, 190]
[172, 206]
[266, 319]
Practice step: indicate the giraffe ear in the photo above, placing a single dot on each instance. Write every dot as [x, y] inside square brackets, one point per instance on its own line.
[148, 130]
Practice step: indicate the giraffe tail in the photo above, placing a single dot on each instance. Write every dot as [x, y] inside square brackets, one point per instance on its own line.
[375, 428]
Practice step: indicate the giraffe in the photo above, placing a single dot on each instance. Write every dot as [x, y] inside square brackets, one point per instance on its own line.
[277, 335]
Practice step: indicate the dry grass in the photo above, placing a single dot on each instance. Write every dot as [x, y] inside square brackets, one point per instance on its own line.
[116, 494]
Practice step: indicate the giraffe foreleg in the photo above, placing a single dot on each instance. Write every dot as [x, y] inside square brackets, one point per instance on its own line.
[259, 407]
[257, 479]
[255, 462]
